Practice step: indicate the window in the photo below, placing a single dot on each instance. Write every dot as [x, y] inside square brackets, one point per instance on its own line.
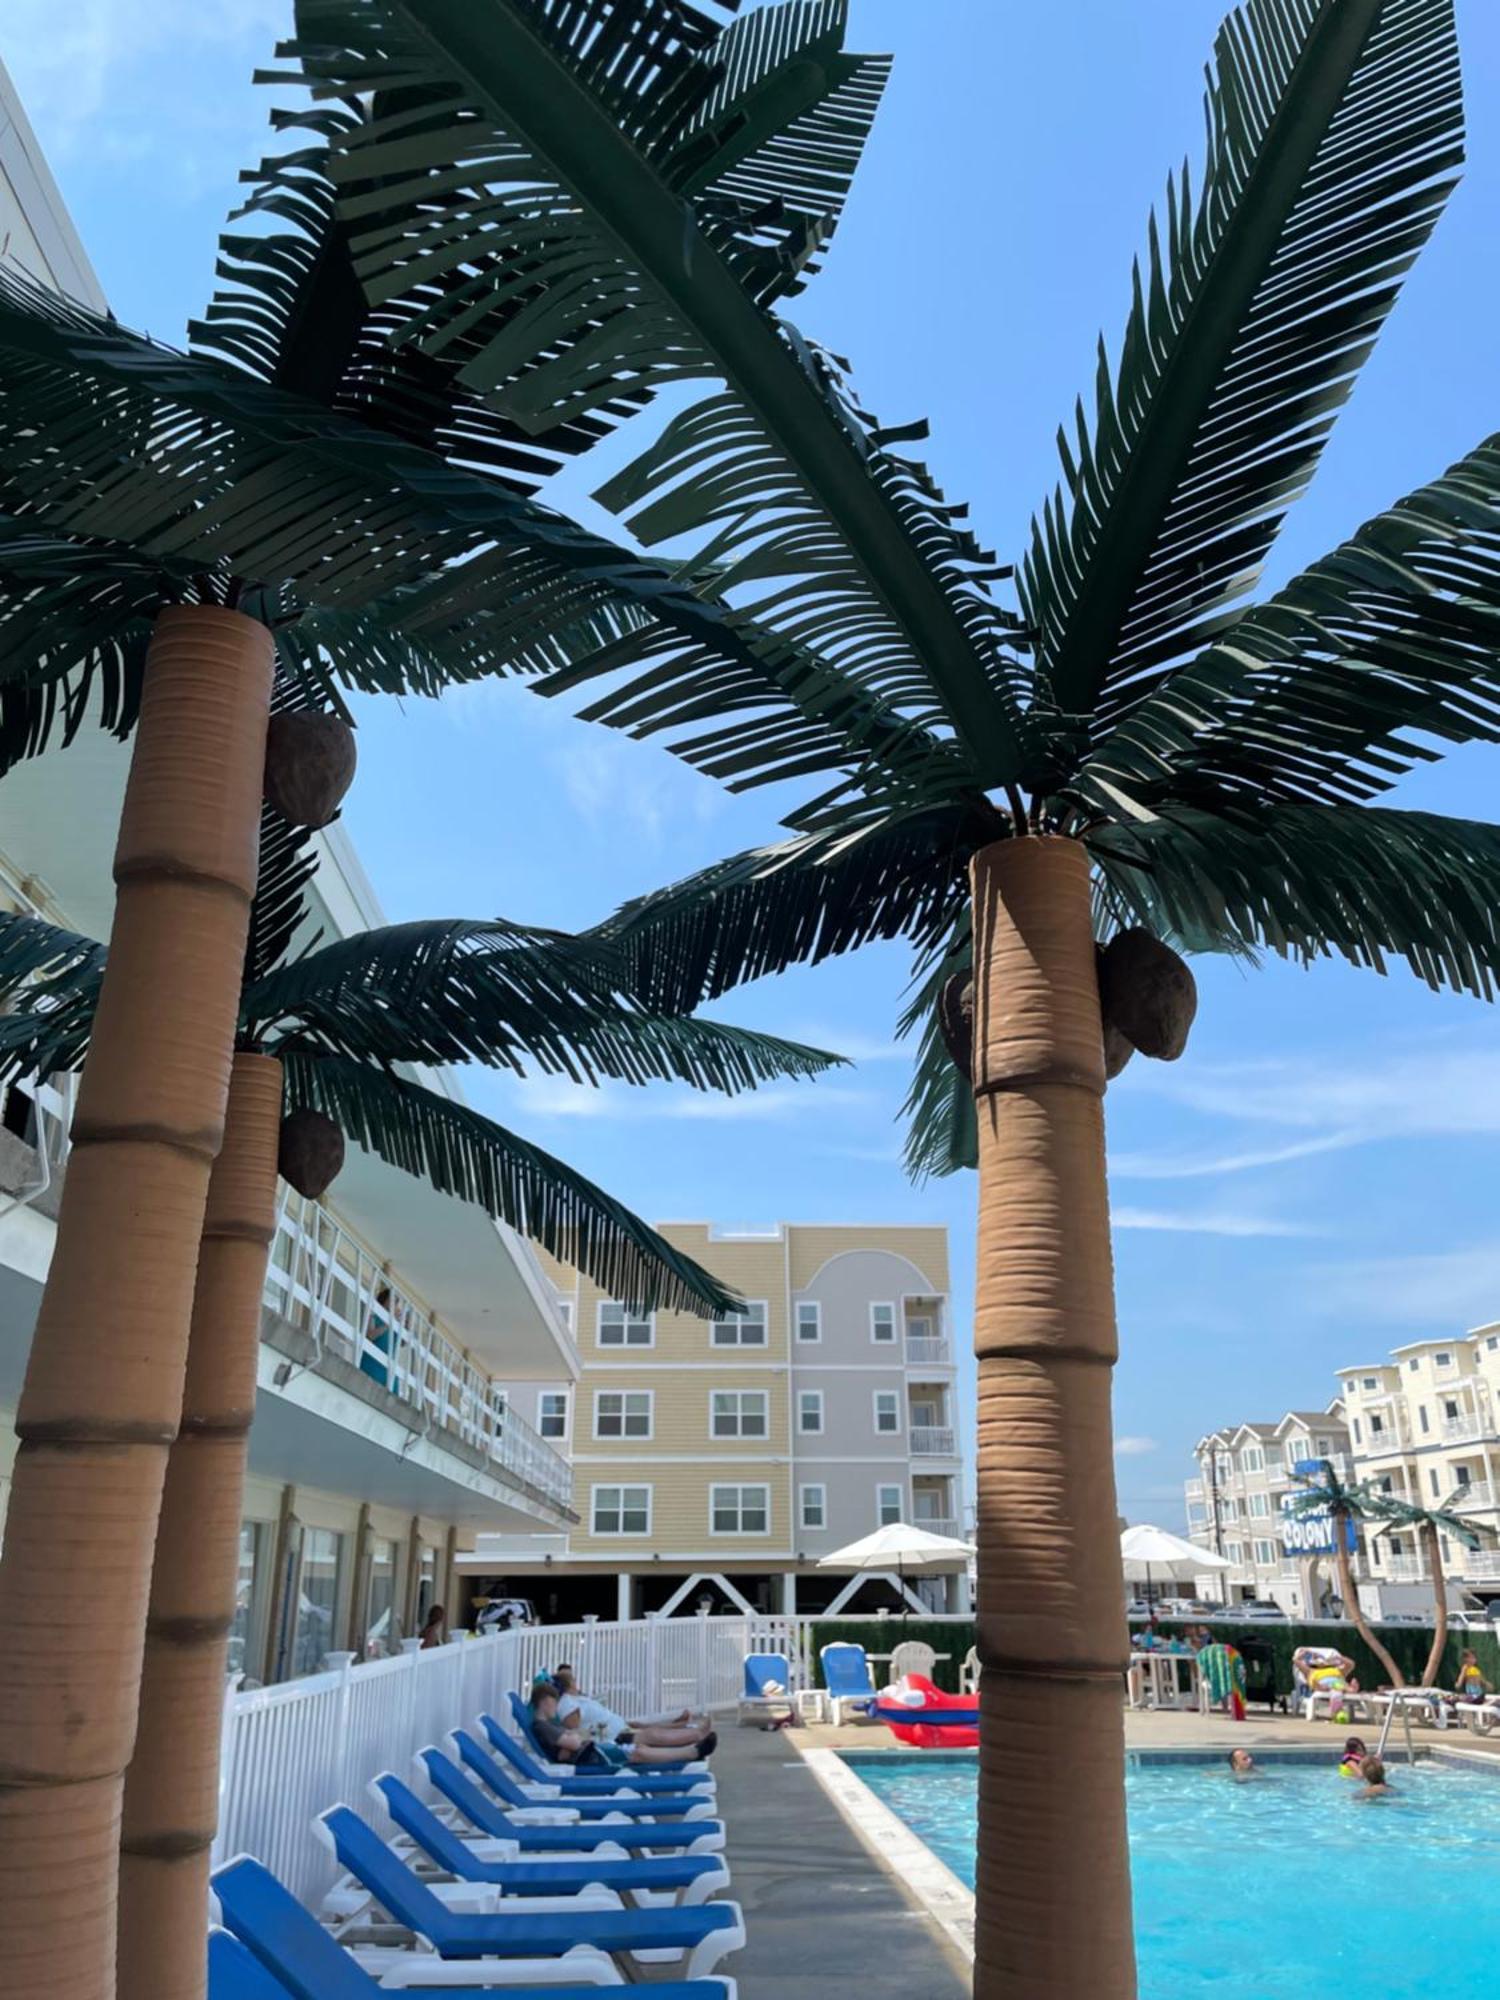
[1265, 1554]
[622, 1413]
[1370, 1382]
[565, 1313]
[738, 1413]
[1414, 1364]
[1443, 1360]
[1235, 1551]
[921, 1325]
[1260, 1506]
[317, 1598]
[1355, 1429]
[1325, 1447]
[1349, 1388]
[1461, 1475]
[1273, 1457]
[622, 1510]
[1450, 1408]
[812, 1506]
[1386, 1484]
[552, 1413]
[742, 1329]
[1398, 1547]
[1231, 1510]
[1251, 1460]
[1422, 1416]
[246, 1631]
[1377, 1425]
[620, 1327]
[883, 1323]
[1197, 1512]
[739, 1510]
[1493, 1343]
[1432, 1480]
[887, 1413]
[810, 1412]
[888, 1504]
[809, 1320]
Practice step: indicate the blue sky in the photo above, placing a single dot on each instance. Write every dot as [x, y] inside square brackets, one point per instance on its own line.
[1314, 1181]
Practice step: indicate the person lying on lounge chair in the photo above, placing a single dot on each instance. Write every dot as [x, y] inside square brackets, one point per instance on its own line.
[579, 1711]
[571, 1746]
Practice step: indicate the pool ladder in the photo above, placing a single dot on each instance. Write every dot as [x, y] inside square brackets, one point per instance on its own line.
[1397, 1706]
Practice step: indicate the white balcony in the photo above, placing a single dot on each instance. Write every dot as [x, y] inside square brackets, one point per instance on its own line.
[323, 1281]
[928, 1351]
[937, 1524]
[933, 1441]
[1478, 1493]
[1193, 1489]
[1402, 1569]
[1481, 1564]
[1455, 1429]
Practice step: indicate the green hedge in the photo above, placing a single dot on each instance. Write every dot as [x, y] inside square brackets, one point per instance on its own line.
[1408, 1645]
[883, 1635]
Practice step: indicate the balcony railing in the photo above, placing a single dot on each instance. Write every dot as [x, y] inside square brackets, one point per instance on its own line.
[933, 1441]
[1481, 1563]
[1455, 1428]
[937, 1524]
[928, 1351]
[1478, 1493]
[322, 1280]
[1402, 1569]
[1193, 1488]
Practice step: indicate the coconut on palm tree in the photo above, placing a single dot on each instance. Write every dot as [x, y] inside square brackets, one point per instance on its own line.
[292, 496]
[326, 1043]
[1049, 798]
[1433, 1527]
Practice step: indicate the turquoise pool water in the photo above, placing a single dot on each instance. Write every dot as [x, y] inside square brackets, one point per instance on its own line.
[1282, 1889]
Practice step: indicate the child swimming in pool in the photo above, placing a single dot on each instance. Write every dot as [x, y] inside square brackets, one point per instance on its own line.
[1375, 1786]
[1352, 1757]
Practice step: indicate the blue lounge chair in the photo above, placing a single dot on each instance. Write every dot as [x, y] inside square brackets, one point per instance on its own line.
[691, 1779]
[694, 1836]
[235, 1973]
[765, 1672]
[306, 1963]
[685, 1878]
[704, 1934]
[846, 1676]
[669, 1805]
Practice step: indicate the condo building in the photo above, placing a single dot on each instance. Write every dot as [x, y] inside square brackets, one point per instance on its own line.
[1234, 1508]
[719, 1460]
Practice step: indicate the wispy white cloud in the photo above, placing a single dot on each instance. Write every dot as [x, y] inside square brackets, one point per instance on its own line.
[1134, 1447]
[554, 1097]
[1207, 1223]
[1191, 1166]
[1428, 1291]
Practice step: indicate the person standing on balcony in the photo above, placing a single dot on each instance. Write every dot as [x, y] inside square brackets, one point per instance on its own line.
[377, 1336]
[434, 1632]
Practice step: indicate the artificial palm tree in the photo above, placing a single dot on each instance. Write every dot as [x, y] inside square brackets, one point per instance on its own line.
[1049, 798]
[1346, 1505]
[174, 529]
[324, 1046]
[1430, 1525]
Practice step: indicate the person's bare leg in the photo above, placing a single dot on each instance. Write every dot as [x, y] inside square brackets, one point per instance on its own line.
[646, 1753]
[661, 1736]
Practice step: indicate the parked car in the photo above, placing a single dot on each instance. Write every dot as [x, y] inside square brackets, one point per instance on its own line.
[1256, 1607]
[1190, 1607]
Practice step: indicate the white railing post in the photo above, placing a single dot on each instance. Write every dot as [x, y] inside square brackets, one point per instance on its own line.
[228, 1731]
[342, 1664]
[412, 1648]
[705, 1691]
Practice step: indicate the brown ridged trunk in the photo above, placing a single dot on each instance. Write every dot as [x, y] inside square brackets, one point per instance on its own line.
[1053, 1881]
[172, 1786]
[1357, 1617]
[1440, 1605]
[103, 1387]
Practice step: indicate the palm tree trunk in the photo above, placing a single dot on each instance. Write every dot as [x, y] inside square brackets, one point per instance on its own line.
[1053, 1882]
[1351, 1604]
[103, 1389]
[1440, 1605]
[172, 1786]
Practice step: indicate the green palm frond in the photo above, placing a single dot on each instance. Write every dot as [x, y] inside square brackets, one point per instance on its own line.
[1362, 883]
[1327, 1491]
[49, 988]
[1328, 690]
[466, 1155]
[520, 152]
[1334, 132]
[941, 1129]
[506, 995]
[795, 903]
[1399, 1513]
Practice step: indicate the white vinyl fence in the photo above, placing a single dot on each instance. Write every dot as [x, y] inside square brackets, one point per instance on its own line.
[291, 1751]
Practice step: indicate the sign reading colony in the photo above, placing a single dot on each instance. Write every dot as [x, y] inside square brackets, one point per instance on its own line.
[1312, 1534]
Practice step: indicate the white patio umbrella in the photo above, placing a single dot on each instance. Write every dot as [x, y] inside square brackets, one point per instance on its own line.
[901, 1547]
[1152, 1553]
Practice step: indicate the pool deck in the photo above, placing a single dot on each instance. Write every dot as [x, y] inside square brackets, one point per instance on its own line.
[821, 1914]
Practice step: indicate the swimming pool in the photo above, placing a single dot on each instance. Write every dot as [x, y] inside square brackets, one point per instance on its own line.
[1284, 1888]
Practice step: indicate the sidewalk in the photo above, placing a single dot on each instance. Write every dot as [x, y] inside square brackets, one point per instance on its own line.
[822, 1915]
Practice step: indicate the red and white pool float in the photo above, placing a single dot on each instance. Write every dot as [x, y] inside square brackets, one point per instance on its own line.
[916, 1712]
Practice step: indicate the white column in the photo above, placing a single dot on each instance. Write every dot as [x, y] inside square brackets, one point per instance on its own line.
[622, 1601]
[788, 1593]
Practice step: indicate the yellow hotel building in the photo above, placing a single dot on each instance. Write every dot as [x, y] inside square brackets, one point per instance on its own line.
[721, 1459]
